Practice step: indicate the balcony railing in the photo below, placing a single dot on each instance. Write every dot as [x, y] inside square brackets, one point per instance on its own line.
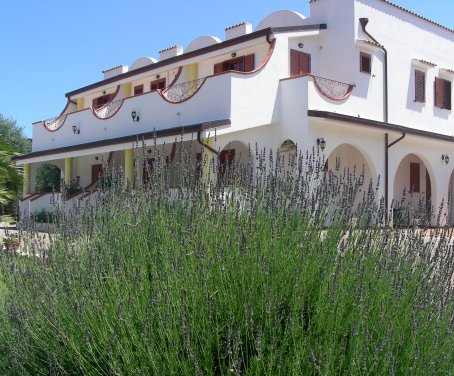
[54, 123]
[332, 89]
[108, 110]
[181, 92]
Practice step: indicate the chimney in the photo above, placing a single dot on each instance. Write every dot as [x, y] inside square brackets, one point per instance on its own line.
[115, 71]
[170, 52]
[238, 30]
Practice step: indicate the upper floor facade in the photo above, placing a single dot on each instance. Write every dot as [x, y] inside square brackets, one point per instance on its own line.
[365, 58]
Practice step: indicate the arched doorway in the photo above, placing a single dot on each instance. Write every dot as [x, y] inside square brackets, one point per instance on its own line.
[235, 163]
[412, 193]
[349, 169]
[287, 155]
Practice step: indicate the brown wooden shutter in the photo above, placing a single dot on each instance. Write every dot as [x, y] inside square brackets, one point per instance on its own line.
[439, 91]
[226, 159]
[428, 189]
[300, 63]
[365, 62]
[138, 89]
[420, 86]
[96, 172]
[447, 95]
[249, 63]
[414, 177]
[305, 63]
[294, 63]
[218, 68]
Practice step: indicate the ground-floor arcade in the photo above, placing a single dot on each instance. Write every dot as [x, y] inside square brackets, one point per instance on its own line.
[408, 171]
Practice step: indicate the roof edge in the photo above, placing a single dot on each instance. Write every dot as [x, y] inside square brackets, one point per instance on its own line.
[378, 124]
[198, 52]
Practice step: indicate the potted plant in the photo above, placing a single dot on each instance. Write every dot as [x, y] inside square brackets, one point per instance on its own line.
[11, 242]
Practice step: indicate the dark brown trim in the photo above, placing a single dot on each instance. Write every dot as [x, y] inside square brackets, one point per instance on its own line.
[378, 124]
[132, 138]
[195, 53]
[206, 146]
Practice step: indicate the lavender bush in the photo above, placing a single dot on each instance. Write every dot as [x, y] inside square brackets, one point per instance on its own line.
[231, 275]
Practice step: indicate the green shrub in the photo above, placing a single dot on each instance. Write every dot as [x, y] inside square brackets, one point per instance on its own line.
[44, 216]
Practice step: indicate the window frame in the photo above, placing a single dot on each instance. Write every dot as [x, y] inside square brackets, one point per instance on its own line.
[138, 89]
[159, 82]
[443, 93]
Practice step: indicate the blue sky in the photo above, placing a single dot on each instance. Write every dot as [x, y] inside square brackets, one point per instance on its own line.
[51, 47]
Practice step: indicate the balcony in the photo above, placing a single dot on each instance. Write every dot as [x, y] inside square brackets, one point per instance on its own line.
[156, 110]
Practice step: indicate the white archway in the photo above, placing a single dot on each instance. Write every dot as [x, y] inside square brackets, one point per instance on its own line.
[412, 192]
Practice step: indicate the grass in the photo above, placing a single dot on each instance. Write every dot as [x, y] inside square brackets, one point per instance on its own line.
[216, 280]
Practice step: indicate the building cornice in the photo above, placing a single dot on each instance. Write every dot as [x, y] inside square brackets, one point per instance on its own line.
[377, 124]
[175, 131]
[195, 53]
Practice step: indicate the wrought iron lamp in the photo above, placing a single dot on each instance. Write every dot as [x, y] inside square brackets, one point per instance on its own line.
[134, 116]
[321, 143]
[76, 129]
[445, 158]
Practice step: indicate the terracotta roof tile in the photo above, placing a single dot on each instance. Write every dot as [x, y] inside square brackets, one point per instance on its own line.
[110, 69]
[411, 12]
[370, 42]
[418, 15]
[426, 62]
[233, 26]
[168, 48]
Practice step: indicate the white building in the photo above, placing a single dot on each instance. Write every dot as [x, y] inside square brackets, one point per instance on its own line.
[368, 77]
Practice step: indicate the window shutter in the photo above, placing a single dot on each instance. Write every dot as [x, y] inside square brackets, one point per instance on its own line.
[365, 62]
[138, 89]
[428, 189]
[249, 63]
[439, 88]
[447, 95]
[294, 63]
[414, 177]
[420, 86]
[218, 68]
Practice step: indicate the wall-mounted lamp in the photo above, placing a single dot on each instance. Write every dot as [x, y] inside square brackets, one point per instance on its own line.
[445, 158]
[76, 129]
[300, 45]
[233, 54]
[104, 92]
[134, 116]
[321, 143]
[157, 76]
[96, 158]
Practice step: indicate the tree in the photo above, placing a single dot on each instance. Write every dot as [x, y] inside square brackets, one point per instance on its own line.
[12, 142]
[12, 136]
[10, 177]
[48, 178]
